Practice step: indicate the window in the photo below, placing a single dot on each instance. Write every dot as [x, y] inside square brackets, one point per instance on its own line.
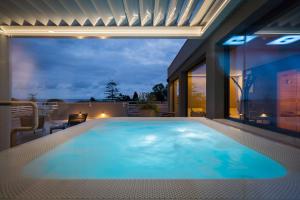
[176, 97]
[197, 91]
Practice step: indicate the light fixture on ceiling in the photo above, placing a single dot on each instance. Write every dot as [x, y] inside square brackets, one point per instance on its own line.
[239, 39]
[288, 39]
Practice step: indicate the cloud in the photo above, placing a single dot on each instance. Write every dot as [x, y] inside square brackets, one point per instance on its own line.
[71, 68]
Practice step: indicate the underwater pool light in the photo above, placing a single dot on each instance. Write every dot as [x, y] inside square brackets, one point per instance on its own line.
[239, 39]
[288, 39]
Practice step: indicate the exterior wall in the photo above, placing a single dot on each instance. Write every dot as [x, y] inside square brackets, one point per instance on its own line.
[5, 92]
[195, 51]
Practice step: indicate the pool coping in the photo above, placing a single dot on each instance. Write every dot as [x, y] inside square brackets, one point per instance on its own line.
[14, 186]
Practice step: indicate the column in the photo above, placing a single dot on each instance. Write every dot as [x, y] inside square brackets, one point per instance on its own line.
[5, 93]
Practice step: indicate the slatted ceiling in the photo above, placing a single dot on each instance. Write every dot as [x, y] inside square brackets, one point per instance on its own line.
[202, 11]
[67, 14]
[289, 23]
[37, 11]
[173, 12]
[25, 12]
[56, 16]
[48, 13]
[131, 8]
[89, 10]
[160, 9]
[118, 12]
[146, 12]
[4, 20]
[104, 12]
[14, 17]
[98, 12]
[186, 12]
[66, 10]
[291, 18]
[21, 13]
[208, 15]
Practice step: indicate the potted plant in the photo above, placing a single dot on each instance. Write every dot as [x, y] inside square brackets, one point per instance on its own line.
[147, 107]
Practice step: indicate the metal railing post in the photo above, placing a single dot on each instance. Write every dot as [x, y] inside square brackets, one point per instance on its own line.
[35, 119]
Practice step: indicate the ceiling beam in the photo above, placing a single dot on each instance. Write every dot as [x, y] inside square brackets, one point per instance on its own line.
[101, 32]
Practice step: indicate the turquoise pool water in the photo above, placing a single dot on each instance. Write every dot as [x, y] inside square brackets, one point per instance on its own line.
[153, 150]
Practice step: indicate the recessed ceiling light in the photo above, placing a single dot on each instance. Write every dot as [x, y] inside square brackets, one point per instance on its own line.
[288, 39]
[239, 40]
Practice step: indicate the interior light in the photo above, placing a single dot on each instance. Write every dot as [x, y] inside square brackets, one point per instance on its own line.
[263, 115]
[239, 40]
[288, 39]
[51, 31]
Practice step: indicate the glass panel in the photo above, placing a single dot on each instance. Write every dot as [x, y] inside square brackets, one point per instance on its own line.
[171, 97]
[176, 97]
[264, 85]
[197, 91]
[236, 82]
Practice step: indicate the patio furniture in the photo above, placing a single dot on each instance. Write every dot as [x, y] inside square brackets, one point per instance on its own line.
[73, 120]
[167, 114]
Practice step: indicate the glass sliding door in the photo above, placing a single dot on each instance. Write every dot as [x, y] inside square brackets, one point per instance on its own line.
[264, 80]
[197, 91]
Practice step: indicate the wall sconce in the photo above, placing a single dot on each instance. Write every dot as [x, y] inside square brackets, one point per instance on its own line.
[102, 115]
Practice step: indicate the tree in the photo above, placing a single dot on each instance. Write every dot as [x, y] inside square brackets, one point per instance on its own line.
[92, 99]
[135, 97]
[111, 90]
[122, 97]
[159, 91]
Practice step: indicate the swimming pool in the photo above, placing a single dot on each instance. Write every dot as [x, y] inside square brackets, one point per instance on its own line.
[152, 149]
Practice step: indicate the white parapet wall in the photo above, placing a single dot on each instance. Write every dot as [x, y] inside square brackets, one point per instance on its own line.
[94, 109]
